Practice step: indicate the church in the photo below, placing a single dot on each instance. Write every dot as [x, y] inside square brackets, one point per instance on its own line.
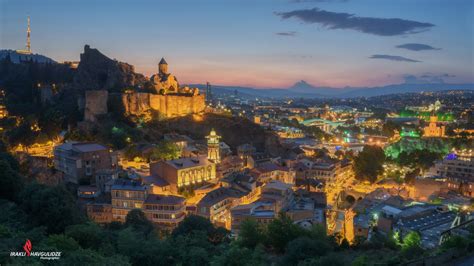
[167, 83]
[169, 99]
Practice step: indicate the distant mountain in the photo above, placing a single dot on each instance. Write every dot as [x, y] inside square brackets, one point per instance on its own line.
[17, 58]
[302, 89]
[262, 93]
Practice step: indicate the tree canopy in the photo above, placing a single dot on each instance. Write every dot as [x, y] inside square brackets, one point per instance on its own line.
[368, 164]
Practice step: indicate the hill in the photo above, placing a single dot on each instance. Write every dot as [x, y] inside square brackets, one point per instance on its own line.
[17, 58]
[302, 89]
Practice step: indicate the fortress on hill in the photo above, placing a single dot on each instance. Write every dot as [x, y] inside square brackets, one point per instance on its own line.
[169, 98]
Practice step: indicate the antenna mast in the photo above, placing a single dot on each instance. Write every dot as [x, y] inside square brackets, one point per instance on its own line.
[28, 32]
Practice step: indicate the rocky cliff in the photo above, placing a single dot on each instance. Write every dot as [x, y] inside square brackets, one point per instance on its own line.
[98, 72]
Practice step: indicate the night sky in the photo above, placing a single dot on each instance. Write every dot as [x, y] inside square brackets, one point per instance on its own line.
[259, 43]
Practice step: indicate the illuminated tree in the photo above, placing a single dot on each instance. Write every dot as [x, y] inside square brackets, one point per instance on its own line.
[368, 163]
[165, 150]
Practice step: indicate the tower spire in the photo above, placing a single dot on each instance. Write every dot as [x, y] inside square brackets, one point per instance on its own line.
[28, 32]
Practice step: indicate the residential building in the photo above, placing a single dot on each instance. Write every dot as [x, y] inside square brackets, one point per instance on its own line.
[88, 192]
[216, 204]
[458, 164]
[105, 177]
[321, 169]
[166, 211]
[263, 212]
[82, 160]
[127, 195]
[269, 172]
[100, 213]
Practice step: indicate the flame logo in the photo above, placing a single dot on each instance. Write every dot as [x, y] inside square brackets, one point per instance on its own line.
[27, 247]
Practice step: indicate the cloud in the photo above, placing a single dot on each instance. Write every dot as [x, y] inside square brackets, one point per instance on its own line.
[376, 26]
[416, 47]
[393, 58]
[426, 78]
[287, 33]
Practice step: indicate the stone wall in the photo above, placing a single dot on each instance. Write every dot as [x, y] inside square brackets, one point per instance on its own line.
[137, 103]
[96, 104]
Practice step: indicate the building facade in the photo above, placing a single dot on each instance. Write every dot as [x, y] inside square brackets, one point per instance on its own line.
[82, 160]
[184, 172]
[166, 211]
[126, 196]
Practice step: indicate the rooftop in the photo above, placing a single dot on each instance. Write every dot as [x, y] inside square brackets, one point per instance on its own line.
[183, 163]
[126, 184]
[164, 199]
[82, 146]
[219, 195]
[155, 180]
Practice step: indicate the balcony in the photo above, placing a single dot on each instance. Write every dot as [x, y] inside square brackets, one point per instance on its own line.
[167, 221]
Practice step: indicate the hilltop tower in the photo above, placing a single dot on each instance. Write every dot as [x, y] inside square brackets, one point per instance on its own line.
[213, 149]
[28, 40]
[28, 33]
[163, 66]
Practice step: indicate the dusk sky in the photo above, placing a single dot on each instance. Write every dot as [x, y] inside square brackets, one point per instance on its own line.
[259, 43]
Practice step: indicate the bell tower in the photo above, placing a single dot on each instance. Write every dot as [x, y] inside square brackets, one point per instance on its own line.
[163, 66]
[213, 149]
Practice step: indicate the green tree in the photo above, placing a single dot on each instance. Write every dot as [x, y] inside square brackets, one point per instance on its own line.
[360, 261]
[368, 164]
[165, 150]
[137, 220]
[91, 257]
[389, 128]
[11, 183]
[62, 243]
[281, 231]
[250, 234]
[333, 259]
[53, 207]
[411, 245]
[193, 223]
[237, 256]
[88, 235]
[455, 242]
[410, 177]
[303, 248]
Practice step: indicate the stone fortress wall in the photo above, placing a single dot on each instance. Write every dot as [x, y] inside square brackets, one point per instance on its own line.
[172, 105]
